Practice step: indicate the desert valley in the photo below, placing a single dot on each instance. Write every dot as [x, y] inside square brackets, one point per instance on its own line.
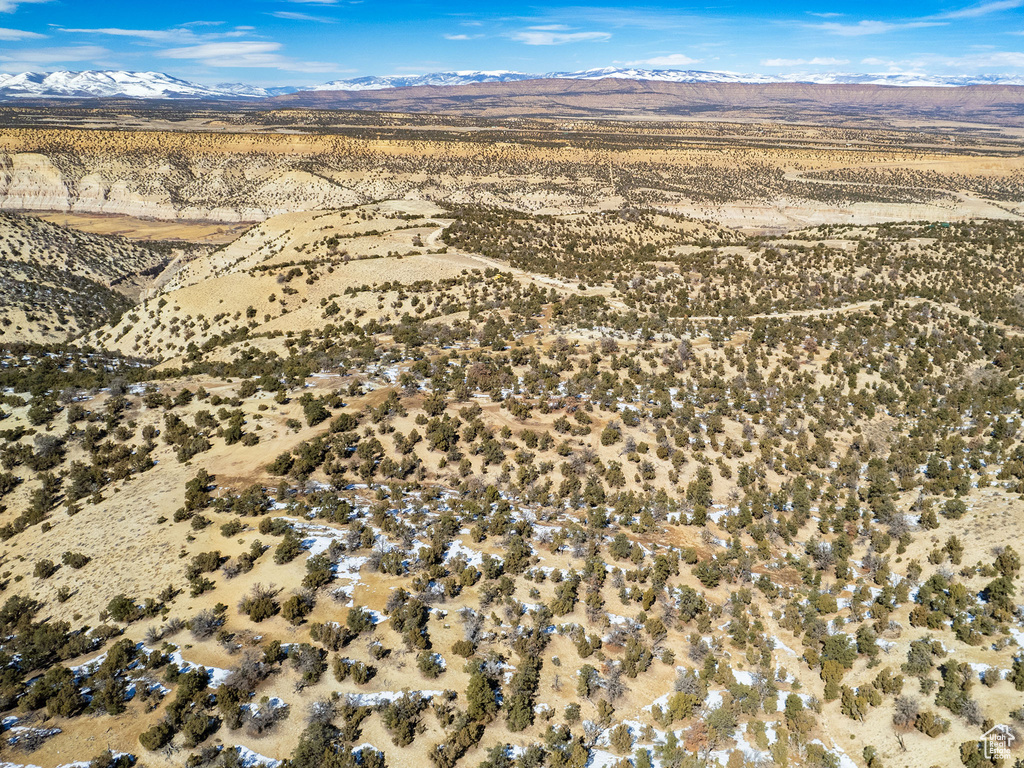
[514, 425]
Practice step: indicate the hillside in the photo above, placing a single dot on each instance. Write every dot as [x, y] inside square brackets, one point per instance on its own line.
[56, 282]
[641, 489]
[296, 272]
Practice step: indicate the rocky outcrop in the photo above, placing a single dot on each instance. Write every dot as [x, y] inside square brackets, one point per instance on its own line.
[30, 181]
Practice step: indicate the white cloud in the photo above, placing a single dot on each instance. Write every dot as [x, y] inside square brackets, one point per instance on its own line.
[633, 17]
[817, 61]
[33, 58]
[179, 35]
[220, 50]
[874, 27]
[999, 60]
[156, 35]
[982, 9]
[255, 54]
[992, 60]
[18, 34]
[10, 6]
[293, 16]
[462, 37]
[557, 34]
[671, 60]
[868, 27]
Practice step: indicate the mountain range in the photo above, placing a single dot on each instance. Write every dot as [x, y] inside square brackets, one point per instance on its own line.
[158, 85]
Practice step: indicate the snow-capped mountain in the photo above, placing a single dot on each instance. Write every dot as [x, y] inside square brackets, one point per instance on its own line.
[662, 75]
[113, 84]
[904, 79]
[665, 75]
[383, 82]
[157, 85]
[246, 91]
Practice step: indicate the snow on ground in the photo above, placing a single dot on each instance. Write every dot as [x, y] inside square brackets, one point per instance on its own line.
[217, 675]
[348, 568]
[661, 701]
[601, 759]
[783, 647]
[88, 667]
[18, 731]
[273, 703]
[743, 677]
[458, 548]
[316, 539]
[788, 678]
[249, 759]
[845, 761]
[749, 751]
[718, 514]
[380, 697]
[77, 764]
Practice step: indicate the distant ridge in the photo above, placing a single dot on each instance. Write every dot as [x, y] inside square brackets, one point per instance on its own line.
[158, 85]
[446, 79]
[838, 104]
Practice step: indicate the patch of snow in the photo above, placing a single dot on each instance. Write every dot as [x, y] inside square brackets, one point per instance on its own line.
[783, 647]
[845, 761]
[599, 758]
[381, 697]
[217, 675]
[249, 759]
[458, 548]
[273, 703]
[743, 677]
[661, 701]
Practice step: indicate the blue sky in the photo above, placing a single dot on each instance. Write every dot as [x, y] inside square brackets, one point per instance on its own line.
[303, 42]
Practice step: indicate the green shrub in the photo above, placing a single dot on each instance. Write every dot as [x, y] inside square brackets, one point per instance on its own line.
[158, 736]
[44, 569]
